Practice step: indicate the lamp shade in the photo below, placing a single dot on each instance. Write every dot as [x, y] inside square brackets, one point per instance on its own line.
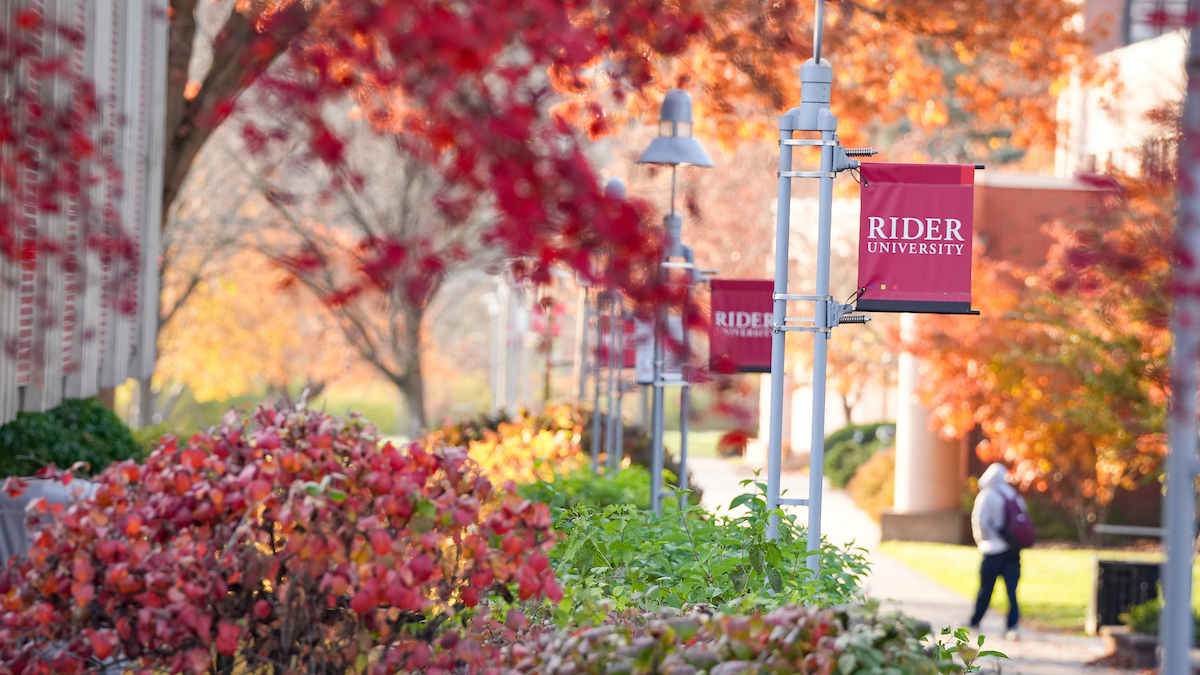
[675, 145]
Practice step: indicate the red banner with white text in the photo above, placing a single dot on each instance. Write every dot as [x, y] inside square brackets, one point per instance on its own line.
[914, 247]
[740, 331]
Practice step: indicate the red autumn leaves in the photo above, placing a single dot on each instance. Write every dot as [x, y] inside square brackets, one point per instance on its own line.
[291, 536]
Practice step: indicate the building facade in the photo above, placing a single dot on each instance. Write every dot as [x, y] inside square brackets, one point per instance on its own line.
[80, 315]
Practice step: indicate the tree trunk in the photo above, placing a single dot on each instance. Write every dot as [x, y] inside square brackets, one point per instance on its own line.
[147, 404]
[245, 46]
[847, 408]
[413, 388]
[412, 384]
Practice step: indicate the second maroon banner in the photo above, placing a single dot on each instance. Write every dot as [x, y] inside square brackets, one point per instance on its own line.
[914, 247]
[740, 333]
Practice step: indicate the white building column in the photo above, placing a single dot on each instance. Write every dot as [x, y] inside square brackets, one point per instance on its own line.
[756, 448]
[928, 488]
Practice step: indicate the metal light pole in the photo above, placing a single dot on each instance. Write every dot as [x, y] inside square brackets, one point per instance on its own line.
[596, 386]
[614, 376]
[615, 188]
[1179, 503]
[813, 115]
[582, 317]
[614, 458]
[685, 394]
[673, 147]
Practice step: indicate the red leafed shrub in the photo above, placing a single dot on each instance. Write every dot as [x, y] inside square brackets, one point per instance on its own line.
[291, 542]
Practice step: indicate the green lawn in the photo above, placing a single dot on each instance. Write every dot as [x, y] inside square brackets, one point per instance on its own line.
[1055, 587]
[700, 443]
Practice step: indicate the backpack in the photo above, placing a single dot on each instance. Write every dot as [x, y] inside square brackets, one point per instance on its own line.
[1018, 530]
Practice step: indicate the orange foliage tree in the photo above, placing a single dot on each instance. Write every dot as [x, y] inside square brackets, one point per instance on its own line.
[948, 81]
[1065, 371]
[218, 350]
[525, 449]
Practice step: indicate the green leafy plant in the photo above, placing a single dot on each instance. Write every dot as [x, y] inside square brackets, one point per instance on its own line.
[621, 557]
[630, 485]
[81, 430]
[1143, 619]
[957, 642]
[852, 446]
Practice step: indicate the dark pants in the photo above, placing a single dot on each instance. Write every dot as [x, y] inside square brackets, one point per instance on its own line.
[1007, 565]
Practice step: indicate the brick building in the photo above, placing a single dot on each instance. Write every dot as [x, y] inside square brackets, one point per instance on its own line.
[1104, 128]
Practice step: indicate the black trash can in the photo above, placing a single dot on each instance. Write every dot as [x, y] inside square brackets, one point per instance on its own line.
[1120, 585]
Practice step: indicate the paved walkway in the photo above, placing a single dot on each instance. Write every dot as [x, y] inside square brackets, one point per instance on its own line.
[897, 585]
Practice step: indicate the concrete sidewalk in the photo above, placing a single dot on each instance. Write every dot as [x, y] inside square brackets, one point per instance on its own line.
[898, 586]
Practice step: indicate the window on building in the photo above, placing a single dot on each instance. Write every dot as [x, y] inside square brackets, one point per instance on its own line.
[1145, 19]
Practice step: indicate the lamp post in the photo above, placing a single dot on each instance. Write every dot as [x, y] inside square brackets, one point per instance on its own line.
[615, 457]
[599, 312]
[614, 377]
[673, 147]
[583, 318]
[615, 188]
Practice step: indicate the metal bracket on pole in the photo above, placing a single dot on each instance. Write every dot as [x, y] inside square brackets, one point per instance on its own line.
[793, 296]
[806, 174]
[835, 312]
[806, 141]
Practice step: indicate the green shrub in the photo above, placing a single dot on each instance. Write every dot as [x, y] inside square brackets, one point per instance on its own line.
[624, 558]
[76, 431]
[850, 447]
[1051, 521]
[873, 486]
[148, 437]
[630, 485]
[1143, 619]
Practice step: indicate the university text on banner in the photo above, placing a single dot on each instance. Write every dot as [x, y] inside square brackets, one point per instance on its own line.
[740, 329]
[914, 249]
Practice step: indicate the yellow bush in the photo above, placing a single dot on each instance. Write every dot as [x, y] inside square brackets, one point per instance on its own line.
[524, 450]
[873, 486]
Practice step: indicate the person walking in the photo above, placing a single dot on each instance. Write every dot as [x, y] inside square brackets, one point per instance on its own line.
[1001, 554]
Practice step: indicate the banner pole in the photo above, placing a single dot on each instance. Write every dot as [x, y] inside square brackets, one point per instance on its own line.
[581, 345]
[614, 370]
[614, 461]
[656, 431]
[685, 392]
[778, 337]
[816, 462]
[598, 312]
[818, 30]
[816, 78]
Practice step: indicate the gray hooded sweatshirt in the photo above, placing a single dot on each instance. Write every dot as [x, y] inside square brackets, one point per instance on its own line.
[987, 518]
